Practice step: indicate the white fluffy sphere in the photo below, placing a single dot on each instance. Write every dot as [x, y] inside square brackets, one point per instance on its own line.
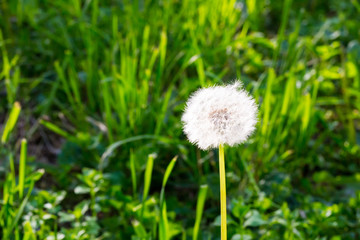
[219, 115]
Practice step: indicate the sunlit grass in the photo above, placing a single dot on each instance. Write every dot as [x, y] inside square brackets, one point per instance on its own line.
[102, 86]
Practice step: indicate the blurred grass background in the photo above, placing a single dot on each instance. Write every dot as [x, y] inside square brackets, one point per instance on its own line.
[91, 94]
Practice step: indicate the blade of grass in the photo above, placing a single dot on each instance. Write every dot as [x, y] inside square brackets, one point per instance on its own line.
[21, 208]
[22, 165]
[306, 112]
[5, 211]
[267, 101]
[144, 49]
[65, 85]
[6, 68]
[133, 171]
[13, 177]
[168, 171]
[351, 129]
[163, 225]
[109, 150]
[73, 80]
[107, 107]
[10, 124]
[58, 130]
[289, 88]
[139, 229]
[281, 34]
[161, 115]
[28, 232]
[147, 181]
[199, 210]
[162, 51]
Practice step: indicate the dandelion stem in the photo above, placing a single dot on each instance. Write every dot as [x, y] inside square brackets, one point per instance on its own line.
[222, 191]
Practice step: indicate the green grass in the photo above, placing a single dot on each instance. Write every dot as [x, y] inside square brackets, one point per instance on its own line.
[102, 86]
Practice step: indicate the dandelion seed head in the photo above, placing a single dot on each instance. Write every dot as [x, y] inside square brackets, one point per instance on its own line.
[219, 115]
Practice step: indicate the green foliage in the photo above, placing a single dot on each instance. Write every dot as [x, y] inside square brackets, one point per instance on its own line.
[102, 85]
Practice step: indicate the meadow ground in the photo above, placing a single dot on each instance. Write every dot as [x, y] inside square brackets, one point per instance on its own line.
[91, 98]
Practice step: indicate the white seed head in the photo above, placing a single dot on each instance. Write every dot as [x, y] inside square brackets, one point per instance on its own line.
[219, 115]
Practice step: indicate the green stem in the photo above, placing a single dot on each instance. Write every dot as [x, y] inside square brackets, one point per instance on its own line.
[222, 191]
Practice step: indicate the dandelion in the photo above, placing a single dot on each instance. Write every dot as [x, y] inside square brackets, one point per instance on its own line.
[216, 116]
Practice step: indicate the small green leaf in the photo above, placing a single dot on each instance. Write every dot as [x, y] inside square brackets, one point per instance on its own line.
[81, 189]
[254, 219]
[241, 237]
[66, 217]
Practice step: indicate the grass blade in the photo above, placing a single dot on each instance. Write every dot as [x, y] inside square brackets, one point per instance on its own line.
[199, 210]
[22, 165]
[306, 113]
[168, 171]
[164, 108]
[281, 34]
[147, 180]
[133, 171]
[58, 130]
[22, 207]
[10, 124]
[164, 225]
[162, 50]
[112, 147]
[267, 101]
[139, 229]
